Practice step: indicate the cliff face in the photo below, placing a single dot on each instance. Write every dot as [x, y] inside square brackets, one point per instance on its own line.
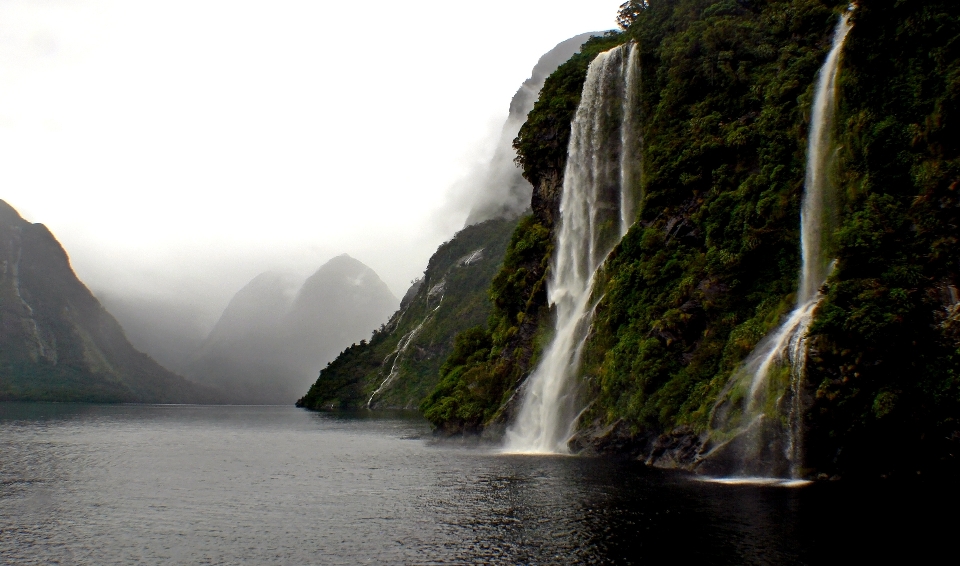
[272, 339]
[57, 343]
[711, 265]
[887, 360]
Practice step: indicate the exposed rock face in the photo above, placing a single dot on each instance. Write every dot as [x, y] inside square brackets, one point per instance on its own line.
[272, 340]
[545, 200]
[57, 343]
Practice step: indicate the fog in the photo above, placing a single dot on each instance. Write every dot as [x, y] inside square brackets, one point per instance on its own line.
[276, 334]
[497, 189]
[178, 149]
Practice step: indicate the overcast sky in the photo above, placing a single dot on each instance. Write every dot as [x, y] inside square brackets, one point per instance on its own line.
[182, 147]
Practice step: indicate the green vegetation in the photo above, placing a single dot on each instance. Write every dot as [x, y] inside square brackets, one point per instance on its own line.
[43, 381]
[712, 261]
[711, 264]
[452, 295]
[887, 371]
[488, 363]
[477, 383]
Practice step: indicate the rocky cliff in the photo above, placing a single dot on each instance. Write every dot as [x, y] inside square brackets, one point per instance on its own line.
[499, 188]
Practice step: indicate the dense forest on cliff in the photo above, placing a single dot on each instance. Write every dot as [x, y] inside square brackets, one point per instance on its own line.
[711, 264]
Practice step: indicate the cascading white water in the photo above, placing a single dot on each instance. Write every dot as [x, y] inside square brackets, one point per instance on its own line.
[596, 208]
[763, 394]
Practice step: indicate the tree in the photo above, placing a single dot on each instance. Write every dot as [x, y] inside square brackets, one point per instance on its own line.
[630, 11]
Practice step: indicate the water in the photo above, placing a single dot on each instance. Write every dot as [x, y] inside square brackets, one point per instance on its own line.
[274, 485]
[745, 418]
[597, 207]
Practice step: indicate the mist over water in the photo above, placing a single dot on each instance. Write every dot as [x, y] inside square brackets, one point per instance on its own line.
[170, 331]
[249, 144]
[169, 313]
[274, 338]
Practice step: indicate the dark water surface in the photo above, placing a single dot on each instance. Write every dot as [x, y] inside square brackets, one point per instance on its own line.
[96, 484]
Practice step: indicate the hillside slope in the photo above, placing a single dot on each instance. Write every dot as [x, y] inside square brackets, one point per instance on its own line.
[401, 362]
[57, 343]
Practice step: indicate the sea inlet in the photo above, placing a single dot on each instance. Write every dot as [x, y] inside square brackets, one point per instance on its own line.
[122, 484]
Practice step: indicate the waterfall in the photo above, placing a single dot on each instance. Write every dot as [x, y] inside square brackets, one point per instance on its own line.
[596, 209]
[745, 419]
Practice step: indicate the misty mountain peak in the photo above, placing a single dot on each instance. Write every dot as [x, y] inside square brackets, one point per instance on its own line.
[342, 276]
[9, 216]
[272, 339]
[500, 191]
[256, 309]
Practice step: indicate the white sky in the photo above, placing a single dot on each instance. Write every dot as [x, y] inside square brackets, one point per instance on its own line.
[182, 147]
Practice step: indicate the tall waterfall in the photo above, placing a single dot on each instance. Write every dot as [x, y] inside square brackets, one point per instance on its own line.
[769, 384]
[597, 207]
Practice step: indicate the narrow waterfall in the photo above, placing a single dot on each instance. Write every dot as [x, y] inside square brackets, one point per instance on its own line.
[596, 209]
[747, 418]
[406, 340]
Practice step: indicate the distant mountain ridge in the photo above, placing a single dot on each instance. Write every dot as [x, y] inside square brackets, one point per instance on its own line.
[271, 341]
[57, 342]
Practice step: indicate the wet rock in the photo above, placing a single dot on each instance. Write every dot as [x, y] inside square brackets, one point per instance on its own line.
[677, 449]
[614, 439]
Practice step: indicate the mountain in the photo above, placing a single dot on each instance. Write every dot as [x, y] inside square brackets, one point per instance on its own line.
[57, 342]
[400, 364]
[272, 339]
[499, 189]
[706, 282]
[168, 330]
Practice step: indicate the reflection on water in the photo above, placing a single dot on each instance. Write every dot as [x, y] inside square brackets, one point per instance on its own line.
[736, 480]
[276, 485]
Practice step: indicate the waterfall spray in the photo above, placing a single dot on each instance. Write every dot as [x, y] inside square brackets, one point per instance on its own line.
[744, 417]
[596, 208]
